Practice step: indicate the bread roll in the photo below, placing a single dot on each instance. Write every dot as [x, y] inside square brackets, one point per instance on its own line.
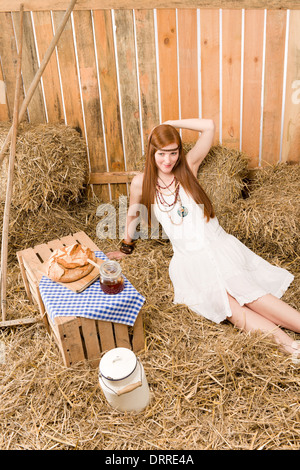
[69, 264]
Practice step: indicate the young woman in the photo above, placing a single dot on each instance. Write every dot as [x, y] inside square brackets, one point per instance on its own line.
[212, 272]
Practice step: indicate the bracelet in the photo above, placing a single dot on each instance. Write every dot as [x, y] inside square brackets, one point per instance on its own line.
[127, 247]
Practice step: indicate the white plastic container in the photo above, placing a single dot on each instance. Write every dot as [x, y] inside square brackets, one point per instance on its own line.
[123, 380]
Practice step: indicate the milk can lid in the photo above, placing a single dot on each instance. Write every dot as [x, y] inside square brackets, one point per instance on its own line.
[117, 364]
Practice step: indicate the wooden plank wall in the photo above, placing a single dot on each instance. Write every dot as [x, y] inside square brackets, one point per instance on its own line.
[117, 73]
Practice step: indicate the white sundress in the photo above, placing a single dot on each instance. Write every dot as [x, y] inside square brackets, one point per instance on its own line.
[208, 263]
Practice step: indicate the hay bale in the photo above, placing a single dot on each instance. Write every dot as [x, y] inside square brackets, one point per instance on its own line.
[222, 175]
[28, 228]
[51, 166]
[269, 219]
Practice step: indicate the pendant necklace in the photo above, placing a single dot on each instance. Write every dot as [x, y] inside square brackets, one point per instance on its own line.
[181, 211]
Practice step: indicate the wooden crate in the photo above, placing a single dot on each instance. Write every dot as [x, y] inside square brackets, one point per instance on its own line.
[78, 338]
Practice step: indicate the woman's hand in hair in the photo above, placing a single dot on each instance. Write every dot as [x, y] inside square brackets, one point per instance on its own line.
[206, 128]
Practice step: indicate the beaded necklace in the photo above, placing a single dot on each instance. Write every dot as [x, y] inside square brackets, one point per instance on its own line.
[182, 211]
[165, 187]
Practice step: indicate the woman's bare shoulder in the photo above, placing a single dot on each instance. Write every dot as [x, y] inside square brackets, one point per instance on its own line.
[136, 185]
[137, 181]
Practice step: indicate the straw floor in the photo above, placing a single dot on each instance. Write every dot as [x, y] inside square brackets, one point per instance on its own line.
[212, 386]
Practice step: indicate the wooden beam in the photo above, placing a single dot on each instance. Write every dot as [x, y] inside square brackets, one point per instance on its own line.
[129, 96]
[43, 5]
[112, 177]
[210, 67]
[18, 322]
[108, 81]
[273, 86]
[291, 132]
[168, 60]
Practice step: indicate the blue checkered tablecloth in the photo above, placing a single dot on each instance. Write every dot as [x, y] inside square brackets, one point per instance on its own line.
[92, 302]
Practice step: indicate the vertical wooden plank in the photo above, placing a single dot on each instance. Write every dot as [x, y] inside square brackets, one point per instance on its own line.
[55, 331]
[24, 276]
[36, 107]
[68, 329]
[188, 68]
[274, 63]
[128, 86]
[106, 335]
[8, 54]
[109, 95]
[252, 86]
[90, 95]
[68, 73]
[42, 310]
[51, 84]
[145, 39]
[122, 336]
[231, 77]
[168, 77]
[291, 131]
[138, 340]
[210, 50]
[91, 343]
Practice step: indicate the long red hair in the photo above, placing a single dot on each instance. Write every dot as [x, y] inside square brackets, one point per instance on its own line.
[160, 137]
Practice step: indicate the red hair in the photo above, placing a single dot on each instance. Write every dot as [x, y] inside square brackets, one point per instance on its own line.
[160, 137]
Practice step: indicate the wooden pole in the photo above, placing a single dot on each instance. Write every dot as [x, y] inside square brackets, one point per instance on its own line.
[12, 134]
[4, 246]
[18, 322]
[38, 74]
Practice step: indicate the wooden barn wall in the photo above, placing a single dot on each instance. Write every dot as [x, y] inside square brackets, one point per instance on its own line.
[117, 73]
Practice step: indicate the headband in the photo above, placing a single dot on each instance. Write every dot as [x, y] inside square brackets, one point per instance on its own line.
[166, 150]
[156, 148]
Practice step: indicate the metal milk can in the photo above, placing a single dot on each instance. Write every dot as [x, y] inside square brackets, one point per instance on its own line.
[123, 380]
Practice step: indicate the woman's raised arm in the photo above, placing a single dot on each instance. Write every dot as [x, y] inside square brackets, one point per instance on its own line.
[207, 129]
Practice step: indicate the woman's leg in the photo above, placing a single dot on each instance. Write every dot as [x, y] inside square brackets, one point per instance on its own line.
[277, 311]
[249, 320]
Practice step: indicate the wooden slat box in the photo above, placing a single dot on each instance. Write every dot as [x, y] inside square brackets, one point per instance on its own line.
[78, 338]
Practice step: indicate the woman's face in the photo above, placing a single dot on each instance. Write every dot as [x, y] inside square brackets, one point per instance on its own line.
[166, 158]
